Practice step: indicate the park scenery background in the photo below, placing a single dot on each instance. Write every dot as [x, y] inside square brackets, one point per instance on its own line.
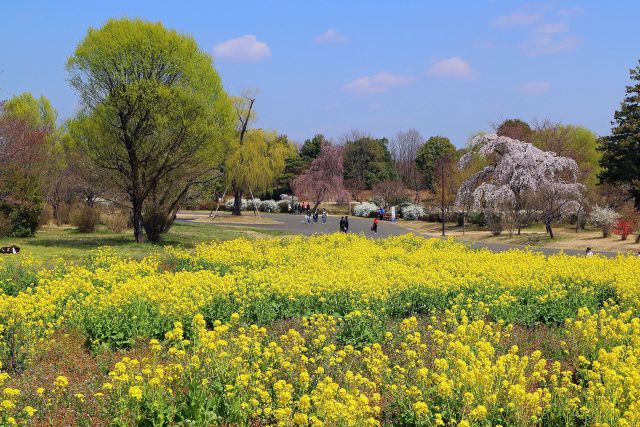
[170, 259]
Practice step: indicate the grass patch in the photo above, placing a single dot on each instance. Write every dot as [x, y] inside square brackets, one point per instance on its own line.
[69, 245]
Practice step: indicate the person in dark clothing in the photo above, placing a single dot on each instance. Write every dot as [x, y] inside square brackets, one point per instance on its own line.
[342, 224]
[381, 213]
[308, 209]
[315, 216]
[346, 224]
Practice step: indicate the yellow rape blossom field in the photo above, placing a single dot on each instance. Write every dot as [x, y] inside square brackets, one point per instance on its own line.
[333, 330]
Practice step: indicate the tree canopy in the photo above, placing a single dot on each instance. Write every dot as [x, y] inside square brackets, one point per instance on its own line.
[367, 161]
[436, 148]
[153, 113]
[621, 150]
[515, 129]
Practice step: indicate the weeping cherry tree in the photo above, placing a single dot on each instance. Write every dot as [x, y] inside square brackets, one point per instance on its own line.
[520, 178]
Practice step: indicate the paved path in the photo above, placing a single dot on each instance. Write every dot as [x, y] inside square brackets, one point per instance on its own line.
[296, 224]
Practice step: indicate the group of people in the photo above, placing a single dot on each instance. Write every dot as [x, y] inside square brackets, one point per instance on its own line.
[299, 209]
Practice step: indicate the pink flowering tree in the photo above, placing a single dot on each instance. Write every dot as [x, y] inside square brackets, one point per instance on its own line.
[521, 181]
[323, 179]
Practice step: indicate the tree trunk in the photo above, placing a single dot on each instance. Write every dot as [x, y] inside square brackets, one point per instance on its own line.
[315, 206]
[137, 221]
[549, 229]
[237, 202]
[464, 222]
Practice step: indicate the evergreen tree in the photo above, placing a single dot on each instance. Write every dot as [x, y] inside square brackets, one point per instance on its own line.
[621, 150]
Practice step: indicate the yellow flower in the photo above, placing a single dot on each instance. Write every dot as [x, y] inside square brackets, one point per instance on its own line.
[135, 392]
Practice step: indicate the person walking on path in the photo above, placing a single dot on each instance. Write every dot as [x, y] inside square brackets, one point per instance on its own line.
[342, 224]
[381, 213]
[346, 224]
[308, 208]
[315, 216]
[589, 252]
[374, 227]
[324, 216]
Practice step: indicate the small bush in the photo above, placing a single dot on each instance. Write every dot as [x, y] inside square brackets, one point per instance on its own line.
[116, 221]
[365, 209]
[5, 225]
[477, 218]
[24, 218]
[412, 211]
[495, 223]
[86, 219]
[283, 206]
[269, 206]
[623, 228]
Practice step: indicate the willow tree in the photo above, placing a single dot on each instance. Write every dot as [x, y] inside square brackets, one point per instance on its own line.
[254, 166]
[256, 158]
[153, 115]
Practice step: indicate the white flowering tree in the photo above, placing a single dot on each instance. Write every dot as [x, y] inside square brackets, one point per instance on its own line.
[520, 180]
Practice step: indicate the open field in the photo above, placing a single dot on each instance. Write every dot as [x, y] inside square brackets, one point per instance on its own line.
[329, 330]
[534, 236]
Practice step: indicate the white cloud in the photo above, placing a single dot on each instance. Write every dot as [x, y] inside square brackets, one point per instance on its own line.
[455, 67]
[331, 36]
[379, 82]
[570, 11]
[546, 44]
[533, 88]
[245, 48]
[552, 28]
[517, 19]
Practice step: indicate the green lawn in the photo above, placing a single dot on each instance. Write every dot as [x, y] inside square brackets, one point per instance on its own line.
[66, 243]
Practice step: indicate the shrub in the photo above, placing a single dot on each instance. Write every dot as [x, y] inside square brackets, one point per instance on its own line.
[86, 218]
[495, 223]
[5, 225]
[365, 209]
[412, 211]
[24, 218]
[269, 206]
[228, 205]
[603, 217]
[477, 218]
[623, 228]
[116, 221]
[283, 206]
[253, 204]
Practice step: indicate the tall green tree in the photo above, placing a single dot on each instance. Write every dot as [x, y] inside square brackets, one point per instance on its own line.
[621, 150]
[367, 161]
[153, 113]
[436, 148]
[311, 147]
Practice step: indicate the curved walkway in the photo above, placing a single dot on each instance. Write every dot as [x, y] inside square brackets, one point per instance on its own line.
[296, 224]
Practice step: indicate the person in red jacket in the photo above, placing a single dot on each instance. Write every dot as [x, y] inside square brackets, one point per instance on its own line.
[374, 227]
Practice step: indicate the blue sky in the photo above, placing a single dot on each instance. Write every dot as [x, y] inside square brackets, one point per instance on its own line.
[444, 68]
